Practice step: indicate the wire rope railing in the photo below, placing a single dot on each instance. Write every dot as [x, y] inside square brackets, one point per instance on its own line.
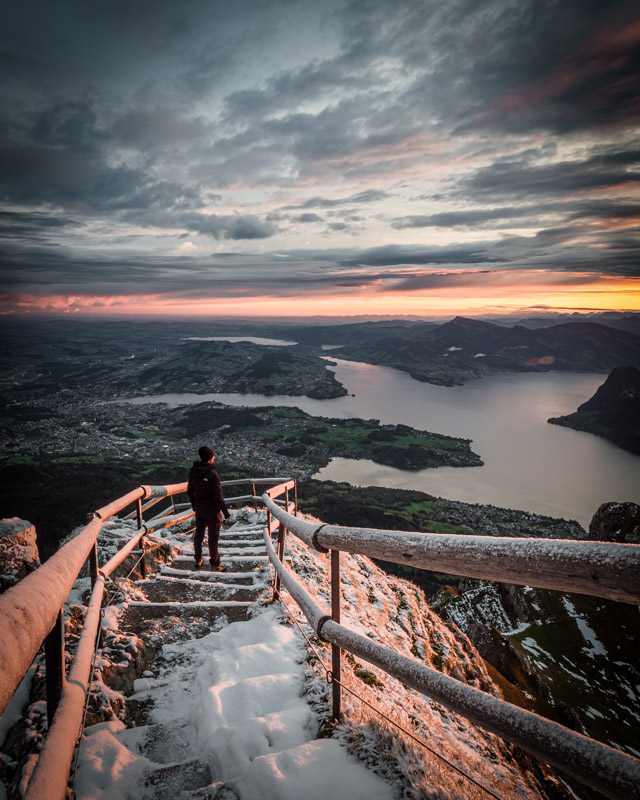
[333, 680]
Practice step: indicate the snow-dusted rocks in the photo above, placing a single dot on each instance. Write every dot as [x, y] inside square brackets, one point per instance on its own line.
[18, 551]
[616, 522]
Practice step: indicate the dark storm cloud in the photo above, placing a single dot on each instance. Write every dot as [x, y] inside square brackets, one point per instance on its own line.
[473, 218]
[606, 211]
[39, 174]
[20, 225]
[516, 176]
[305, 218]
[397, 254]
[367, 196]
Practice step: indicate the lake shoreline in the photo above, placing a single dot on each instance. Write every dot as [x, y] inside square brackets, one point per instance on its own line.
[528, 464]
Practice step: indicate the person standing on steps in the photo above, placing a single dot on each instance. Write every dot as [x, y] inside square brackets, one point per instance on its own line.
[207, 500]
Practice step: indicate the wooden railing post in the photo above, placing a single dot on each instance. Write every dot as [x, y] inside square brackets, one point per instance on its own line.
[335, 649]
[54, 665]
[281, 535]
[286, 499]
[295, 498]
[253, 492]
[279, 552]
[143, 563]
[93, 563]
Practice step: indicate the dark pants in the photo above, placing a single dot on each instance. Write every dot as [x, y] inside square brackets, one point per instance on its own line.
[213, 526]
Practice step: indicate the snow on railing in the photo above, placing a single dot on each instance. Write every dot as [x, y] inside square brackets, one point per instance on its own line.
[548, 563]
[602, 569]
[31, 615]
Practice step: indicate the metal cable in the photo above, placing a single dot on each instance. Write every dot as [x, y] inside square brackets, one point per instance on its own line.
[332, 679]
[86, 701]
[142, 555]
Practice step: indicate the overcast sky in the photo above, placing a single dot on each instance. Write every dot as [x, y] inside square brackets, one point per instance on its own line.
[282, 156]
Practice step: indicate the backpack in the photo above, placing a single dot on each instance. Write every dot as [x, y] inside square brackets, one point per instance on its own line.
[202, 486]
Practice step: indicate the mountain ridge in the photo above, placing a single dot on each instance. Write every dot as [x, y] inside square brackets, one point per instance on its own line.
[463, 349]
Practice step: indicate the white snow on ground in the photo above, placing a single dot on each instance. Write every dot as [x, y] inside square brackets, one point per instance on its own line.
[13, 711]
[239, 691]
[521, 628]
[597, 648]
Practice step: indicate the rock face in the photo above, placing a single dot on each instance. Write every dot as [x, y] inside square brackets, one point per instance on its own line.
[569, 657]
[613, 412]
[18, 551]
[616, 522]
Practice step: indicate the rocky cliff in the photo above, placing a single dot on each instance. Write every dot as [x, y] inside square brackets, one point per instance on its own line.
[18, 551]
[613, 412]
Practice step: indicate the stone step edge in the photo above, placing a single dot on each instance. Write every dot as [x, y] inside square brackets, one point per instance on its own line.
[160, 579]
[194, 603]
[183, 573]
[254, 557]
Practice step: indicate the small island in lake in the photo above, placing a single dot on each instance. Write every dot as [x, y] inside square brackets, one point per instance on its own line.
[613, 412]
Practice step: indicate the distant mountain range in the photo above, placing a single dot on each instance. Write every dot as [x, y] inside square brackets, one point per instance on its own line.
[55, 354]
[463, 349]
[613, 412]
[612, 319]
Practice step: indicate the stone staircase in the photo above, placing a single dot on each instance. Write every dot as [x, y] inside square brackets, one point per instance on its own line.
[221, 712]
[204, 595]
[198, 602]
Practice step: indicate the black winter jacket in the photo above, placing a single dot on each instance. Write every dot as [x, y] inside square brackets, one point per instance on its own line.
[213, 503]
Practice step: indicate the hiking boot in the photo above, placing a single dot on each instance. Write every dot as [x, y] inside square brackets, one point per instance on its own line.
[198, 563]
[218, 568]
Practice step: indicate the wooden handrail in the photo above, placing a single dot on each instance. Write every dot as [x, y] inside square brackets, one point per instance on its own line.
[52, 770]
[29, 609]
[600, 569]
[605, 769]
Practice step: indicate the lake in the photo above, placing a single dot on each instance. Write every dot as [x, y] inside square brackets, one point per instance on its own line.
[529, 464]
[252, 339]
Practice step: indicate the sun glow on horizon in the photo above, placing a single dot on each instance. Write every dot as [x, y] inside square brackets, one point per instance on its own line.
[503, 293]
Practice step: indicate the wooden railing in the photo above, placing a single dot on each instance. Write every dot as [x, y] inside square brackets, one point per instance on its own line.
[30, 614]
[600, 569]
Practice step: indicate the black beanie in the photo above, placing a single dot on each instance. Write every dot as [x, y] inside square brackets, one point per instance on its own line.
[205, 453]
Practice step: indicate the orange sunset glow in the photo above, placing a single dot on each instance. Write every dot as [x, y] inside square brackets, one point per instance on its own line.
[509, 294]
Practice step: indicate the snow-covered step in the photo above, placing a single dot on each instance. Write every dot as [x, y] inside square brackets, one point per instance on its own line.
[202, 616]
[235, 550]
[245, 578]
[191, 604]
[162, 590]
[233, 563]
[229, 708]
[226, 543]
[167, 783]
[242, 535]
[163, 743]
